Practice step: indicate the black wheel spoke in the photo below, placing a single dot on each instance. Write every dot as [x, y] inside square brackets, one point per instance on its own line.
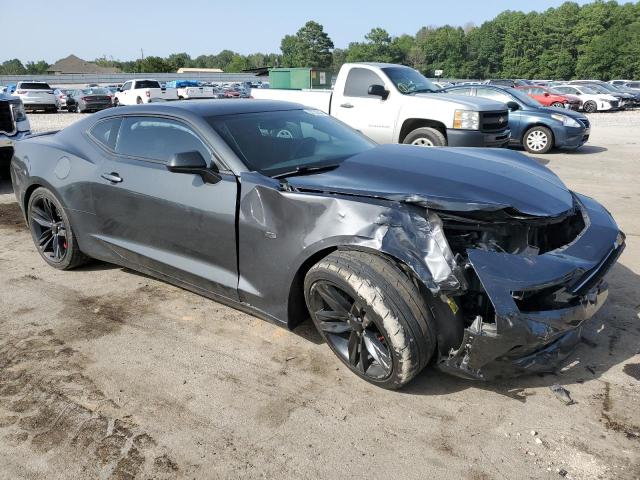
[354, 344]
[40, 217]
[333, 299]
[364, 355]
[377, 350]
[335, 327]
[46, 242]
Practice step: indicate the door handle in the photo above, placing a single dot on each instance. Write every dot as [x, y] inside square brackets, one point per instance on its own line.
[346, 105]
[113, 177]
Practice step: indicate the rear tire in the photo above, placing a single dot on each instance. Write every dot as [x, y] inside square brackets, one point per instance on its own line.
[116, 102]
[426, 137]
[380, 326]
[538, 139]
[557, 105]
[590, 106]
[52, 232]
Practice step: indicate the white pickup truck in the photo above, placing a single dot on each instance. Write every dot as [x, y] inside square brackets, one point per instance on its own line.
[140, 91]
[188, 89]
[396, 104]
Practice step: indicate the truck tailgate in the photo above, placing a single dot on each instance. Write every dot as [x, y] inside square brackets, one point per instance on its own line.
[319, 99]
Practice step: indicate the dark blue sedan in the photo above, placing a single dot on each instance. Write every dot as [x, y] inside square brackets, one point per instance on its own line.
[536, 128]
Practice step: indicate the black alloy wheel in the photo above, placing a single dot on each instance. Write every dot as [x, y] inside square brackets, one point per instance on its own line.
[49, 229]
[52, 232]
[350, 332]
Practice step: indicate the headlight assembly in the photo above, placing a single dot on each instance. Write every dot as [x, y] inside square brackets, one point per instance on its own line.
[565, 120]
[466, 120]
[19, 114]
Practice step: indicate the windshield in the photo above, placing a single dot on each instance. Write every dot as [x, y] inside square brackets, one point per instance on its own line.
[282, 141]
[95, 91]
[589, 90]
[408, 81]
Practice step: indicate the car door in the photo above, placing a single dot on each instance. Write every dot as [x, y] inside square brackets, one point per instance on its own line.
[370, 114]
[515, 116]
[174, 224]
[126, 92]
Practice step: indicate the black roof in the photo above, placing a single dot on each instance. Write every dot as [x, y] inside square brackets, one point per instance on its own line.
[210, 108]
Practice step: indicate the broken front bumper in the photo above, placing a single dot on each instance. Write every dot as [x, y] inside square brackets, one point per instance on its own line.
[530, 337]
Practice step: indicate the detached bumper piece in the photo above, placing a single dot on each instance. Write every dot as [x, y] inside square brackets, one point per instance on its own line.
[540, 302]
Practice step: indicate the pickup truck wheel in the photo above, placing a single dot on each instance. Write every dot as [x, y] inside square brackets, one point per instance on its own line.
[116, 102]
[538, 140]
[139, 101]
[51, 231]
[590, 106]
[372, 316]
[426, 137]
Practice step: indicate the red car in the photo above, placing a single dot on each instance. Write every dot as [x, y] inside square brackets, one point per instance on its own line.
[550, 98]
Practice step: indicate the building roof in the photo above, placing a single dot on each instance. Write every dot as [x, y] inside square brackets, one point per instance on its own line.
[73, 64]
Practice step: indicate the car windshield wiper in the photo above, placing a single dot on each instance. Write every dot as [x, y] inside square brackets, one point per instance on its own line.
[304, 170]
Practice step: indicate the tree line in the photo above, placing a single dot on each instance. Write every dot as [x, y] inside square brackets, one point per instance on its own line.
[595, 40]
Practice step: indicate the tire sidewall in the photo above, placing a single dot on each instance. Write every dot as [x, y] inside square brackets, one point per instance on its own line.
[71, 243]
[427, 133]
[593, 107]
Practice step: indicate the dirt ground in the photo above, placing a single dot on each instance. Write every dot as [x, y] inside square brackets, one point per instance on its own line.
[105, 373]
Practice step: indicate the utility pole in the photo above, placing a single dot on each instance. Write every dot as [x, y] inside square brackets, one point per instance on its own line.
[142, 54]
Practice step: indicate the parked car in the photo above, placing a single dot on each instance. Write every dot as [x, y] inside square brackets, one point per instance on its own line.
[592, 99]
[536, 128]
[14, 126]
[624, 99]
[188, 89]
[619, 82]
[505, 82]
[88, 100]
[61, 94]
[633, 85]
[548, 97]
[36, 96]
[397, 104]
[480, 260]
[141, 91]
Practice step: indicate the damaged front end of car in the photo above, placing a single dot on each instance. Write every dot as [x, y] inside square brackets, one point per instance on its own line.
[528, 285]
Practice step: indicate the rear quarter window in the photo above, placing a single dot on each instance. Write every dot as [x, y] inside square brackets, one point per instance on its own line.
[106, 132]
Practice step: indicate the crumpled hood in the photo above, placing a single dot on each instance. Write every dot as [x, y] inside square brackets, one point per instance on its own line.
[454, 179]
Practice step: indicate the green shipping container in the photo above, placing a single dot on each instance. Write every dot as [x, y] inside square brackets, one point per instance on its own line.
[299, 78]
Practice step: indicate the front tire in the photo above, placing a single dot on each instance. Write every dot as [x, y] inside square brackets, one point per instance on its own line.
[372, 316]
[590, 107]
[51, 231]
[426, 137]
[538, 139]
[139, 101]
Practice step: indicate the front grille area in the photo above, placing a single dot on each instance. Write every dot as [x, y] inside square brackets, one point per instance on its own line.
[6, 118]
[494, 121]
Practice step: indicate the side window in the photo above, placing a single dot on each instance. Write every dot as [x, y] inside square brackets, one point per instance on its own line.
[537, 91]
[126, 86]
[494, 95]
[358, 82]
[106, 132]
[565, 90]
[157, 139]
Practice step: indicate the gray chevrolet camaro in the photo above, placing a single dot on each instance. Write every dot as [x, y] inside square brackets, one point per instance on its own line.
[480, 261]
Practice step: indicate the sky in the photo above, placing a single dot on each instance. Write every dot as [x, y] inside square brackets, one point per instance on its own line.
[121, 28]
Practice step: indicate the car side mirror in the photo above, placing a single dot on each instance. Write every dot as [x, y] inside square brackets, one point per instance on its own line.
[513, 106]
[194, 163]
[119, 89]
[378, 91]
[546, 94]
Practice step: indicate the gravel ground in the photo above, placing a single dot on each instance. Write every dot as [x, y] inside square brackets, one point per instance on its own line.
[105, 373]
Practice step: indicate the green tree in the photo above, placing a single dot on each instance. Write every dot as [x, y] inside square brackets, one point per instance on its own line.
[309, 47]
[377, 47]
[13, 67]
[37, 68]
